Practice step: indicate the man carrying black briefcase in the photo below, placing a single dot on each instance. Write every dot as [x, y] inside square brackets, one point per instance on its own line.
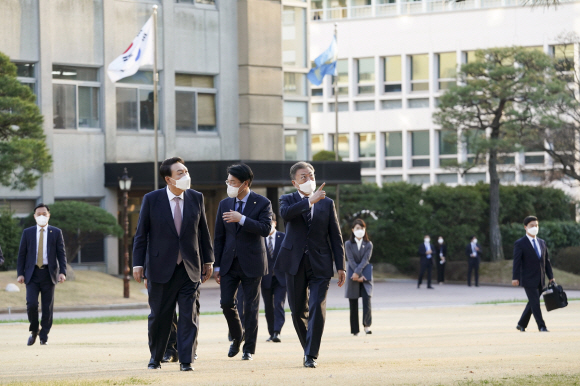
[555, 297]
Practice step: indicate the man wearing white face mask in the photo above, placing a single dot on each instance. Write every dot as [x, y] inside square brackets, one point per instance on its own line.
[531, 266]
[426, 253]
[473, 252]
[41, 258]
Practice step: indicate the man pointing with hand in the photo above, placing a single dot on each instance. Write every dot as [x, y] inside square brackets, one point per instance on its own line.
[313, 242]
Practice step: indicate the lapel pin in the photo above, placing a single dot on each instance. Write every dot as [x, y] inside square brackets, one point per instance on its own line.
[254, 202]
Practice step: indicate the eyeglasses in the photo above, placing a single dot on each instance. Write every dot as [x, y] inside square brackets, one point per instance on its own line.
[228, 184]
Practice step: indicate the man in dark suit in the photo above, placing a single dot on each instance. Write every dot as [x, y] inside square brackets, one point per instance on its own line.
[312, 243]
[441, 251]
[274, 286]
[242, 222]
[473, 252]
[41, 264]
[531, 266]
[173, 232]
[426, 253]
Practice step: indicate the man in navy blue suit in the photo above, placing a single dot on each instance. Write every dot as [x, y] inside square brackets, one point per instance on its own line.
[274, 286]
[173, 241]
[473, 253]
[531, 265]
[312, 245]
[242, 222]
[426, 254]
[41, 264]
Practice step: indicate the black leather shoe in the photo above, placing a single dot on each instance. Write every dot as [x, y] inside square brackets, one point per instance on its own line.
[195, 357]
[522, 329]
[430, 287]
[32, 338]
[270, 338]
[310, 362]
[276, 337]
[185, 367]
[235, 347]
[544, 329]
[169, 358]
[43, 342]
[154, 365]
[247, 356]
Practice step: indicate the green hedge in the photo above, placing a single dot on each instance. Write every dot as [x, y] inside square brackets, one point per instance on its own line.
[557, 234]
[10, 233]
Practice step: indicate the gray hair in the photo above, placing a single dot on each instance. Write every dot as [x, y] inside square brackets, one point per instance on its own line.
[299, 165]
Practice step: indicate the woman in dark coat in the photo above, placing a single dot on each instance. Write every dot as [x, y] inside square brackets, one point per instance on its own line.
[359, 275]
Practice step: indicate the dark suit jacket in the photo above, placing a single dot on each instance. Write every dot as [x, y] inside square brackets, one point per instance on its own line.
[247, 241]
[469, 251]
[267, 280]
[28, 253]
[324, 239]
[441, 248]
[157, 235]
[423, 254]
[528, 268]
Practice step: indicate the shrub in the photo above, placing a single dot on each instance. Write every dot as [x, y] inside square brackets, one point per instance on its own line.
[10, 233]
[557, 234]
[568, 259]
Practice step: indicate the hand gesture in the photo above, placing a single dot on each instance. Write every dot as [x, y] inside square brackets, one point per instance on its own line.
[138, 274]
[341, 277]
[232, 216]
[61, 278]
[207, 271]
[318, 195]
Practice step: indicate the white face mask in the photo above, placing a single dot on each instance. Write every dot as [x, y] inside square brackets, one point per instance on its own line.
[233, 191]
[427, 239]
[308, 187]
[474, 241]
[359, 233]
[533, 231]
[183, 183]
[440, 241]
[41, 220]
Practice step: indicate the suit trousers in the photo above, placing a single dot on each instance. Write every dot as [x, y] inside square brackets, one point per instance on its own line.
[473, 265]
[172, 342]
[426, 265]
[533, 307]
[367, 313]
[274, 300]
[40, 283]
[441, 272]
[162, 299]
[307, 300]
[228, 291]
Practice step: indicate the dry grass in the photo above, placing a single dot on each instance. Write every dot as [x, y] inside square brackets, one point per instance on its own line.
[501, 273]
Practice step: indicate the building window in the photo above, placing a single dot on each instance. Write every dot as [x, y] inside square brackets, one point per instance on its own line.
[468, 57]
[295, 84]
[389, 179]
[533, 176]
[134, 98]
[317, 143]
[364, 105]
[394, 149]
[392, 66]
[447, 178]
[317, 108]
[295, 145]
[367, 149]
[369, 179]
[25, 73]
[506, 159]
[420, 148]
[419, 179]
[195, 107]
[206, 2]
[366, 76]
[447, 148]
[342, 70]
[317, 91]
[342, 106]
[343, 146]
[392, 104]
[294, 36]
[295, 113]
[474, 178]
[507, 177]
[420, 72]
[418, 103]
[473, 140]
[534, 154]
[75, 96]
[447, 69]
[564, 55]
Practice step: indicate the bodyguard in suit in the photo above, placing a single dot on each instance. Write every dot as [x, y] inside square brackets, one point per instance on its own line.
[242, 222]
[41, 264]
[426, 254]
[173, 229]
[473, 252]
[274, 286]
[531, 265]
[441, 252]
[312, 243]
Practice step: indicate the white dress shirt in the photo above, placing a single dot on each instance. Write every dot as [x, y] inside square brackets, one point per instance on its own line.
[473, 250]
[271, 239]
[358, 242]
[311, 205]
[537, 243]
[428, 248]
[245, 201]
[44, 243]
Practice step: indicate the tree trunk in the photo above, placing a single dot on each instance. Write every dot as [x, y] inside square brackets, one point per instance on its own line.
[495, 243]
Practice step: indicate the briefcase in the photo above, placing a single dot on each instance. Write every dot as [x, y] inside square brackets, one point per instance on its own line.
[555, 297]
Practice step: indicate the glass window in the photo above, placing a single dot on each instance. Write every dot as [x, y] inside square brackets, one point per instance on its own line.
[295, 113]
[420, 179]
[342, 70]
[447, 142]
[290, 148]
[564, 55]
[506, 159]
[533, 176]
[206, 112]
[394, 149]
[25, 70]
[469, 57]
[366, 145]
[420, 148]
[368, 179]
[317, 143]
[140, 77]
[507, 177]
[195, 103]
[343, 145]
[534, 159]
[420, 72]
[295, 145]
[146, 109]
[473, 140]
[342, 106]
[447, 178]
[420, 103]
[396, 178]
[392, 104]
[392, 65]
[76, 97]
[126, 99]
[473, 178]
[294, 36]
[185, 111]
[364, 105]
[366, 76]
[196, 81]
[64, 106]
[295, 84]
[317, 108]
[89, 107]
[75, 73]
[317, 91]
[447, 66]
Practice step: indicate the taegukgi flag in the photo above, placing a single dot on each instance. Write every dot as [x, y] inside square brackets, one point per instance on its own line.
[139, 53]
[324, 64]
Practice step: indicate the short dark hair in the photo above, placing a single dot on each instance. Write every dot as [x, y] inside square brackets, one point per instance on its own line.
[359, 221]
[41, 205]
[242, 172]
[529, 219]
[299, 165]
[472, 237]
[165, 168]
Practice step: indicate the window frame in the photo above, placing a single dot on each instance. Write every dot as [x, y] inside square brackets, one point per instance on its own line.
[421, 157]
[445, 156]
[393, 83]
[444, 80]
[367, 159]
[137, 87]
[26, 80]
[412, 81]
[393, 157]
[196, 91]
[360, 84]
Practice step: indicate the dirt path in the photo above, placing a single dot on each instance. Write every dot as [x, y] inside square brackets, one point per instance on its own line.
[419, 346]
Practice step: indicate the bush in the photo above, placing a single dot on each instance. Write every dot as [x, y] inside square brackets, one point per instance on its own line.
[10, 234]
[568, 259]
[325, 155]
[557, 234]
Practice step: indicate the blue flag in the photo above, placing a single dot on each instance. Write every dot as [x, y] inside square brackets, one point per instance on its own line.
[324, 64]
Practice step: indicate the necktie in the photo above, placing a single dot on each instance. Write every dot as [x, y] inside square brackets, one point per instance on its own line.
[536, 249]
[39, 258]
[308, 216]
[240, 206]
[270, 247]
[177, 220]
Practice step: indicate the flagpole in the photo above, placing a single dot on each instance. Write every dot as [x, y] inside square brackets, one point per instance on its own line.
[336, 122]
[155, 101]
